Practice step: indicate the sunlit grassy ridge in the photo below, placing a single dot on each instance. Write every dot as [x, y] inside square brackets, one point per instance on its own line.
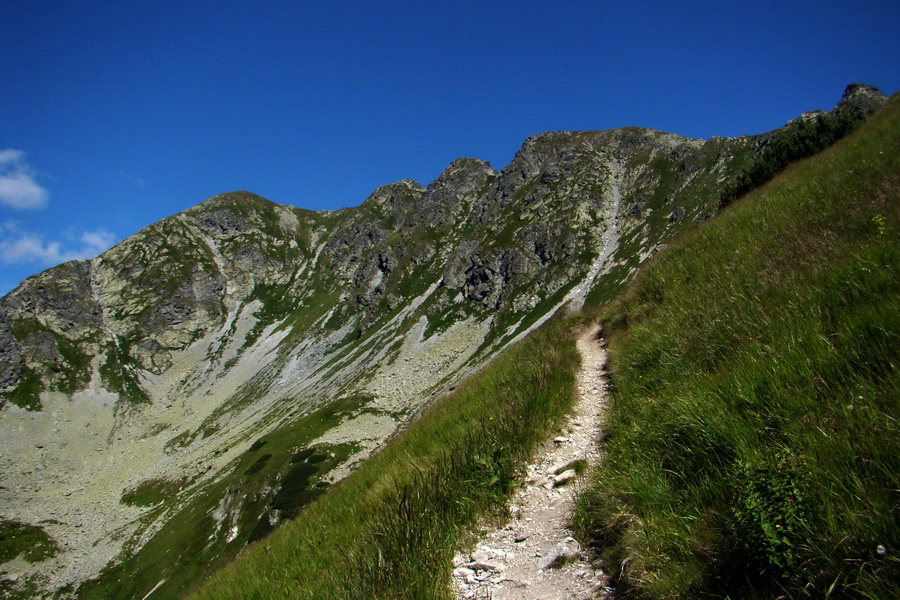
[753, 437]
[389, 530]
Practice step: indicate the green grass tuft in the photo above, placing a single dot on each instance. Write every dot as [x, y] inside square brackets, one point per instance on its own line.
[153, 491]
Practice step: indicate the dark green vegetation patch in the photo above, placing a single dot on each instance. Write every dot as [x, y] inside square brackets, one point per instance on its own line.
[30, 542]
[153, 491]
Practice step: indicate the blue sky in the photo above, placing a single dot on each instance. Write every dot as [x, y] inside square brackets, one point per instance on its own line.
[116, 114]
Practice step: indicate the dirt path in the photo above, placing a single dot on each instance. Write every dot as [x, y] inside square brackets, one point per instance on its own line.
[533, 556]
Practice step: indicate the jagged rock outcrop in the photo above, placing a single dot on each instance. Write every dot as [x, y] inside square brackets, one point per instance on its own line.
[10, 357]
[58, 322]
[861, 99]
[241, 323]
[448, 198]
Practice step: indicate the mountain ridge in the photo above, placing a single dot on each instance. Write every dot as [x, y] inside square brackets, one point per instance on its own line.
[229, 322]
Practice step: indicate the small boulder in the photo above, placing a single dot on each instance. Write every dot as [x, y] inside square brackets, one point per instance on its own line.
[564, 477]
[483, 565]
[560, 554]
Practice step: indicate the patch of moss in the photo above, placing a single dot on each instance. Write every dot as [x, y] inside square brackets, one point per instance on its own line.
[153, 491]
[116, 372]
[76, 370]
[27, 393]
[30, 542]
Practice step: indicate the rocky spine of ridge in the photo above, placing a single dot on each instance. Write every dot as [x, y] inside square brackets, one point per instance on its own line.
[171, 283]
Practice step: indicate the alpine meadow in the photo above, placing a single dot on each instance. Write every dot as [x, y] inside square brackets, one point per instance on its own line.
[252, 400]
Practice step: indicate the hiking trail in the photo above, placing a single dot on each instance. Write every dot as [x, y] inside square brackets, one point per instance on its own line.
[533, 556]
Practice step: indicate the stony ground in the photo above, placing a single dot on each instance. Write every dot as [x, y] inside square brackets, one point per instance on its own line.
[533, 556]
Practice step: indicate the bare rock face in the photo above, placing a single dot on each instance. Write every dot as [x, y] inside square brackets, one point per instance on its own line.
[57, 320]
[348, 244]
[861, 99]
[223, 224]
[487, 278]
[162, 286]
[449, 197]
[59, 299]
[10, 359]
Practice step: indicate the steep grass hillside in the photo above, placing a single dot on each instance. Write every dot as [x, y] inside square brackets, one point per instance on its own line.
[753, 440]
[390, 529]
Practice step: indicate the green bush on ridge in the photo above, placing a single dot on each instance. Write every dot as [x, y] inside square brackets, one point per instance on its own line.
[801, 139]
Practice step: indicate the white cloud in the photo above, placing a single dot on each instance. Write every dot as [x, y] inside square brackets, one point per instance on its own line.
[18, 246]
[97, 241]
[18, 189]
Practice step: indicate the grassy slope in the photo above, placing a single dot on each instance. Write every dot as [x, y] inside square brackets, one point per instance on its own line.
[389, 530]
[753, 441]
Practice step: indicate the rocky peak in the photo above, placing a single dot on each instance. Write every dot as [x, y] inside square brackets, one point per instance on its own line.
[861, 99]
[537, 154]
[454, 190]
[394, 194]
[229, 214]
[232, 199]
[462, 172]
